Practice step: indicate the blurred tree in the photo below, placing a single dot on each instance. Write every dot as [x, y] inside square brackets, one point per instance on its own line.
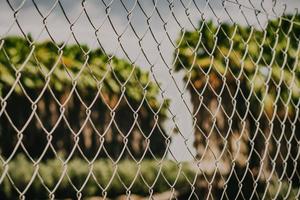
[245, 87]
[69, 96]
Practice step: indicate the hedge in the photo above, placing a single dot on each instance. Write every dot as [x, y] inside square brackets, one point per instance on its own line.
[21, 170]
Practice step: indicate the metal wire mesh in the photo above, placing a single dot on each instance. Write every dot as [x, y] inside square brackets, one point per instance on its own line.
[153, 99]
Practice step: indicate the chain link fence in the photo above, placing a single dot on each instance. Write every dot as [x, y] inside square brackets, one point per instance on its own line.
[161, 99]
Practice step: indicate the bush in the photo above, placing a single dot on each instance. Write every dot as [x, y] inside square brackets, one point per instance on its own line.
[114, 179]
[282, 190]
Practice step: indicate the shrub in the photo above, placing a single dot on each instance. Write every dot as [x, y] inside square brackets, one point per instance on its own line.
[128, 173]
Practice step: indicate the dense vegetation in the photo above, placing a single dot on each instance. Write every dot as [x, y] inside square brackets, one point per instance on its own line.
[70, 97]
[104, 174]
[245, 87]
[76, 96]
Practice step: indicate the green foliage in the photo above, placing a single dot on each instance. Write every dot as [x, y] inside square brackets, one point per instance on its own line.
[90, 71]
[281, 190]
[265, 60]
[251, 75]
[124, 174]
[51, 74]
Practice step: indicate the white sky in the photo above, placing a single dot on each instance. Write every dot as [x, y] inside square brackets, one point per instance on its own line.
[32, 22]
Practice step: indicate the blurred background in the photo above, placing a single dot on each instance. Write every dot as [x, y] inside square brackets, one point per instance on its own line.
[58, 24]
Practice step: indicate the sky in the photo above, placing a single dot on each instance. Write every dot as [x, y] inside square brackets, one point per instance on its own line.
[164, 18]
